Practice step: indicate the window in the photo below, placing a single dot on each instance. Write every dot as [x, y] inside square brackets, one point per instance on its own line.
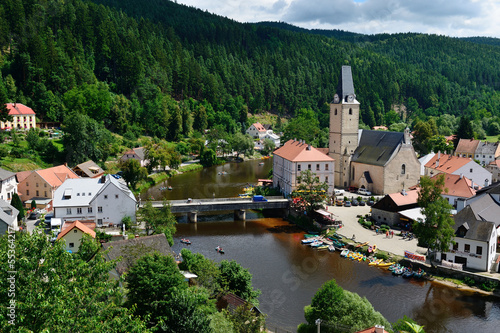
[99, 222]
[45, 185]
[36, 184]
[309, 167]
[467, 248]
[317, 167]
[68, 211]
[90, 194]
[326, 167]
[99, 209]
[27, 192]
[353, 172]
[27, 184]
[71, 244]
[298, 167]
[116, 196]
[326, 179]
[335, 111]
[78, 194]
[105, 196]
[75, 231]
[45, 194]
[471, 170]
[78, 210]
[89, 210]
[403, 169]
[479, 250]
[455, 247]
[350, 111]
[37, 194]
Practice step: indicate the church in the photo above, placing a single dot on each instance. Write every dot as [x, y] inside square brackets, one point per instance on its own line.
[379, 161]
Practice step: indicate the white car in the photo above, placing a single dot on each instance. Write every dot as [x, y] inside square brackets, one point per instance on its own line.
[339, 192]
[364, 191]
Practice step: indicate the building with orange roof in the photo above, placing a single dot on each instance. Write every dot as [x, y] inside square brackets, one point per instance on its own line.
[494, 168]
[297, 156]
[23, 117]
[455, 165]
[41, 184]
[458, 187]
[388, 209]
[72, 233]
[257, 131]
[136, 153]
[374, 329]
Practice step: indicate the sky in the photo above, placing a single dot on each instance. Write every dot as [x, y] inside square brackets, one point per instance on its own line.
[457, 18]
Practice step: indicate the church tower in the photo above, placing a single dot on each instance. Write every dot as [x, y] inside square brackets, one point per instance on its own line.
[344, 126]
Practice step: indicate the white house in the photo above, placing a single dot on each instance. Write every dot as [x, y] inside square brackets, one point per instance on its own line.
[136, 153]
[256, 131]
[274, 138]
[455, 165]
[475, 242]
[8, 184]
[105, 200]
[8, 217]
[297, 156]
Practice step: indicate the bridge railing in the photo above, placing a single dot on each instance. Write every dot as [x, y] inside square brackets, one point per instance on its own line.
[215, 200]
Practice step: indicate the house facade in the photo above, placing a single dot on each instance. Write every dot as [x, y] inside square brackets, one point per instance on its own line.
[136, 153]
[8, 217]
[23, 117]
[382, 162]
[297, 156]
[388, 209]
[105, 200]
[257, 131]
[41, 184]
[466, 148]
[462, 166]
[475, 242]
[486, 152]
[72, 233]
[457, 187]
[8, 184]
[494, 168]
[274, 138]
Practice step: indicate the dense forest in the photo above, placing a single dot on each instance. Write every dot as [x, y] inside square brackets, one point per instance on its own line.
[166, 70]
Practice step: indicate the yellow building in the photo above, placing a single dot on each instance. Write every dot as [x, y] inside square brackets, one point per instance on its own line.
[72, 233]
[23, 117]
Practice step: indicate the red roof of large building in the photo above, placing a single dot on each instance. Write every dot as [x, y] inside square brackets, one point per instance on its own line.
[298, 151]
[55, 176]
[18, 109]
[458, 186]
[447, 163]
[77, 224]
[405, 198]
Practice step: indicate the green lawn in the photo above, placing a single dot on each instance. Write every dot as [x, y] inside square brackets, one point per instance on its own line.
[493, 138]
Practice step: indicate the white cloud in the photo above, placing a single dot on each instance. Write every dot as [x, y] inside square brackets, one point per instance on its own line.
[453, 18]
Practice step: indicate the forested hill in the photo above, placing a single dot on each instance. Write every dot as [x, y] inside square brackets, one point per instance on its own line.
[128, 63]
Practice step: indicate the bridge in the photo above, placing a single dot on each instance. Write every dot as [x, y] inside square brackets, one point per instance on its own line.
[194, 206]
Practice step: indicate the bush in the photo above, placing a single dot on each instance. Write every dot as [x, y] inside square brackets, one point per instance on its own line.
[469, 281]
[381, 255]
[489, 286]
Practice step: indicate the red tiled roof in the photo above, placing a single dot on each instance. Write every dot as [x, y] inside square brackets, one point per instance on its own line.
[458, 186]
[403, 200]
[297, 151]
[55, 176]
[447, 163]
[259, 127]
[495, 162]
[22, 175]
[17, 109]
[76, 224]
[325, 151]
[468, 146]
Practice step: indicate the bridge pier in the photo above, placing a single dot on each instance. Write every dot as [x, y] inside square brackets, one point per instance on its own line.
[240, 214]
[193, 217]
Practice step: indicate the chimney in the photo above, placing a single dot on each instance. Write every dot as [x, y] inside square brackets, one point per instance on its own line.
[437, 164]
[379, 329]
[471, 183]
[461, 175]
[439, 154]
[308, 147]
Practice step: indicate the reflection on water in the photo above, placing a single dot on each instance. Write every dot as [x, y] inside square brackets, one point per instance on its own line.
[289, 274]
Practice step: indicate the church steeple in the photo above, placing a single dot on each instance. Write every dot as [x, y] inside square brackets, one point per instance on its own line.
[344, 125]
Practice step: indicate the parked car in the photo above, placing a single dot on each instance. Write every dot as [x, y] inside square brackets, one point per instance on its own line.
[370, 202]
[35, 215]
[352, 189]
[347, 203]
[339, 191]
[362, 203]
[355, 203]
[339, 203]
[364, 191]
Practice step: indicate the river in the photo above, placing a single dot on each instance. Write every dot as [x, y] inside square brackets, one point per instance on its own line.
[289, 274]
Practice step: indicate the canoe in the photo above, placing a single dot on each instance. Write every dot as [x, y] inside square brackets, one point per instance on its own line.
[374, 248]
[308, 240]
[322, 247]
[310, 236]
[375, 262]
[385, 264]
[344, 253]
[363, 244]
[331, 248]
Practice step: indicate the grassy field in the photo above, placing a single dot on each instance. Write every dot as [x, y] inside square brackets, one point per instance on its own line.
[493, 138]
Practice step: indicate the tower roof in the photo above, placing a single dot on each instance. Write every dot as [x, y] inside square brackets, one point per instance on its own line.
[346, 85]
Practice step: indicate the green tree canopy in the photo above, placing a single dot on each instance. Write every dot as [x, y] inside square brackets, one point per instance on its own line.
[310, 189]
[133, 172]
[436, 231]
[158, 220]
[238, 280]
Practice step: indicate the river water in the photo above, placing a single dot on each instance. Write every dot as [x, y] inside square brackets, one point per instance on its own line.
[289, 274]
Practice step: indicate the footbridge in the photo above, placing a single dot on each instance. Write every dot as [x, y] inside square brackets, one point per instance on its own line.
[239, 205]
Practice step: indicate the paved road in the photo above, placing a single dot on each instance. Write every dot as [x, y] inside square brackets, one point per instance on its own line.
[396, 245]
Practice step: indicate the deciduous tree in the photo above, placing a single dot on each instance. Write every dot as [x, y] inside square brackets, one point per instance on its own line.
[310, 189]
